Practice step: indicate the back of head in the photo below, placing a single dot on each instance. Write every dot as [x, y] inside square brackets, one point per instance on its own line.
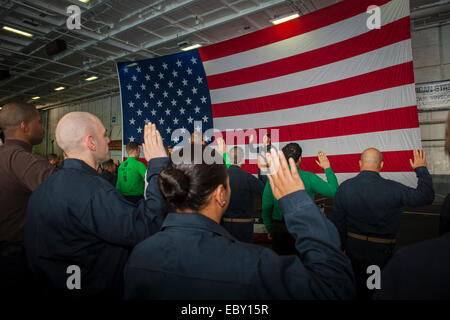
[237, 155]
[132, 147]
[292, 150]
[108, 164]
[371, 159]
[72, 128]
[187, 184]
[13, 114]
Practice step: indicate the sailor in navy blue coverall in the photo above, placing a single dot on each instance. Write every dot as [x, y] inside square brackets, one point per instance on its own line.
[193, 257]
[78, 218]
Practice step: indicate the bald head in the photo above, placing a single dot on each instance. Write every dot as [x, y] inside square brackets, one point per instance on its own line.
[12, 114]
[371, 159]
[73, 128]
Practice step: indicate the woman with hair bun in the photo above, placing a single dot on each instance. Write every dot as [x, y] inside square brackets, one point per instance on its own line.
[194, 257]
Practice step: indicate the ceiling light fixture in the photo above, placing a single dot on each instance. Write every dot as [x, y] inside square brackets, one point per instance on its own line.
[91, 78]
[59, 88]
[285, 18]
[23, 33]
[35, 98]
[194, 46]
[84, 1]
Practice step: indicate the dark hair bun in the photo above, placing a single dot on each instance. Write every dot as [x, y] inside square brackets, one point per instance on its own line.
[174, 185]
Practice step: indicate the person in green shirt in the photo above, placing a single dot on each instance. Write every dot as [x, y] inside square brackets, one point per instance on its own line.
[131, 175]
[282, 242]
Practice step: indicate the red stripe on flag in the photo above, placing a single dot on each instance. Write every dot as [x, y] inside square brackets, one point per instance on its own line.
[394, 76]
[387, 35]
[394, 161]
[393, 119]
[315, 20]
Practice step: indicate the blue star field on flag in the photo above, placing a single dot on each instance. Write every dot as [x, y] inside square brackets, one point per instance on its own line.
[170, 91]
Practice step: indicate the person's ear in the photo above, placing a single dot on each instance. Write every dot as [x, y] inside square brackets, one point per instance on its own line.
[23, 126]
[381, 165]
[220, 196]
[90, 143]
[360, 164]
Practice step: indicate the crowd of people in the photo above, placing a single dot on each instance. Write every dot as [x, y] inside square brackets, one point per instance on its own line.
[176, 229]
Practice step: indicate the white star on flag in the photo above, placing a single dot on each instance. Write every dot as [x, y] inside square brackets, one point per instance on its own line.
[179, 92]
[143, 86]
[145, 104]
[139, 112]
[134, 78]
[194, 90]
[183, 130]
[197, 109]
[188, 101]
[175, 74]
[146, 121]
[132, 121]
[139, 130]
[159, 103]
[198, 128]
[161, 76]
[129, 87]
[164, 66]
[125, 70]
[168, 130]
[199, 79]
[205, 118]
[203, 98]
[152, 68]
[175, 121]
[167, 111]
[182, 110]
[131, 139]
[137, 95]
[147, 77]
[151, 95]
[170, 84]
[156, 85]
[185, 82]
[131, 104]
[161, 121]
[165, 94]
[138, 69]
[194, 60]
[189, 70]
[153, 112]
[190, 119]
[178, 63]
[174, 102]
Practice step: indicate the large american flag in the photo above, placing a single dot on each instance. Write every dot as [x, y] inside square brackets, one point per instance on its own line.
[324, 80]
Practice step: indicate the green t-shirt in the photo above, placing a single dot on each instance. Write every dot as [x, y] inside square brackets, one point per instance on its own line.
[131, 177]
[313, 184]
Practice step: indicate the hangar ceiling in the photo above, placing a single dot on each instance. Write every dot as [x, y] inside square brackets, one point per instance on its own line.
[114, 30]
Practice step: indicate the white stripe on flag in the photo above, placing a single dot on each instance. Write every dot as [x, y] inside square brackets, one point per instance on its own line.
[393, 140]
[388, 56]
[381, 100]
[335, 33]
